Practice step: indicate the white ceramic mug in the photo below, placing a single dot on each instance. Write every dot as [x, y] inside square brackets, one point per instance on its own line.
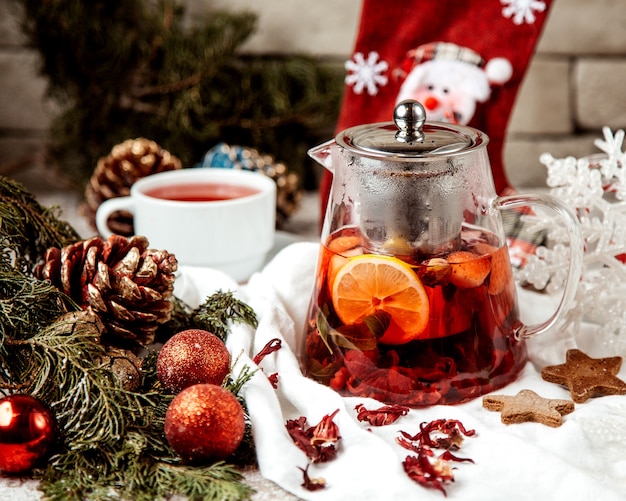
[206, 217]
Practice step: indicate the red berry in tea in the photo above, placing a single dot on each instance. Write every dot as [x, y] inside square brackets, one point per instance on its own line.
[468, 269]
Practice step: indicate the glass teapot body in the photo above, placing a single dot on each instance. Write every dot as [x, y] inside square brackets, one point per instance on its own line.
[414, 300]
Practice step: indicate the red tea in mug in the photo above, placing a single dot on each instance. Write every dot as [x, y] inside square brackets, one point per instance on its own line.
[201, 192]
[414, 330]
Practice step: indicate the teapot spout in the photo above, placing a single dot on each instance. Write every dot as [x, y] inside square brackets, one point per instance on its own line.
[321, 154]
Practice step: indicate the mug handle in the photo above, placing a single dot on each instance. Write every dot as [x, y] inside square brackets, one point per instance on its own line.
[576, 246]
[108, 207]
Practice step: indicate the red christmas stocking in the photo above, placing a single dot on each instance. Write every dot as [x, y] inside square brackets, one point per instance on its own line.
[463, 60]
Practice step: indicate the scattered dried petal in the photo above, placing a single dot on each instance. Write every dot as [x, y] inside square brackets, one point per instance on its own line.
[299, 432]
[272, 346]
[426, 468]
[317, 442]
[273, 378]
[311, 484]
[326, 432]
[384, 415]
[451, 432]
[420, 469]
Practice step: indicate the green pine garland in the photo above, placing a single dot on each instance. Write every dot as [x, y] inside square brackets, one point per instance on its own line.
[111, 439]
[121, 69]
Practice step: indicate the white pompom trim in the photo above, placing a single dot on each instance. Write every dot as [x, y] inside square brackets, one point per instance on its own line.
[499, 70]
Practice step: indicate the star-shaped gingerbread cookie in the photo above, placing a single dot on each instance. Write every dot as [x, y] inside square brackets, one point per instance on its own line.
[587, 377]
[528, 406]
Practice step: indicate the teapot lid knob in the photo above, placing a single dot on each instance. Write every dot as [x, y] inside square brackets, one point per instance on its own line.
[409, 116]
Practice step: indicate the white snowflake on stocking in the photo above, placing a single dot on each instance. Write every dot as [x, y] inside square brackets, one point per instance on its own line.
[595, 189]
[366, 73]
[522, 11]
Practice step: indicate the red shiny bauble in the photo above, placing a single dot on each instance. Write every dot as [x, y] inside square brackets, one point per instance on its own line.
[27, 433]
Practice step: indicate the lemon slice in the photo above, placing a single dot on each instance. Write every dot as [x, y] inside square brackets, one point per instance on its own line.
[370, 283]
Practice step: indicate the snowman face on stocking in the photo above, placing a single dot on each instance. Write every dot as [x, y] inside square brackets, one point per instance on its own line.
[451, 81]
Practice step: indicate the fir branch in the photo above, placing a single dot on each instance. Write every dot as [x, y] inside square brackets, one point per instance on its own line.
[224, 485]
[219, 310]
[19, 320]
[114, 445]
[215, 315]
[129, 68]
[89, 403]
[18, 294]
[234, 385]
[140, 466]
[28, 229]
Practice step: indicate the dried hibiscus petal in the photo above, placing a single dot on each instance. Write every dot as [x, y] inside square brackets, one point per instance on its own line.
[449, 433]
[382, 416]
[311, 484]
[383, 379]
[448, 456]
[271, 346]
[420, 469]
[326, 431]
[298, 431]
[317, 442]
[338, 381]
[273, 378]
[426, 468]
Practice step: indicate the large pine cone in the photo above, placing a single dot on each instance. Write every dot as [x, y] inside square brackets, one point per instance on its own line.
[117, 172]
[126, 284]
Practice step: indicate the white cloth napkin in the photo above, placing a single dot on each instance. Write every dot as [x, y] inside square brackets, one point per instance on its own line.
[584, 459]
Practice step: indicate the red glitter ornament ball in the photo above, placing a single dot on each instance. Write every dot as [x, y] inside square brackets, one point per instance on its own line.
[27, 433]
[191, 357]
[204, 423]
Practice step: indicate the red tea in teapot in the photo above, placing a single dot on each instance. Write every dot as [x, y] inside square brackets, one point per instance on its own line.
[413, 330]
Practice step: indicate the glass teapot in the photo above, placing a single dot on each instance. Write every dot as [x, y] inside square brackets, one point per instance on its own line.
[414, 300]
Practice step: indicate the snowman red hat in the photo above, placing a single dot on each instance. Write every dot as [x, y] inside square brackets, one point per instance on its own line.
[449, 80]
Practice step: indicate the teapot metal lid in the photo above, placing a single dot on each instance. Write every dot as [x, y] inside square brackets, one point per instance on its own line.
[410, 136]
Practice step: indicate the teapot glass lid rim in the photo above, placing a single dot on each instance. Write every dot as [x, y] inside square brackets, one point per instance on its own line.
[440, 140]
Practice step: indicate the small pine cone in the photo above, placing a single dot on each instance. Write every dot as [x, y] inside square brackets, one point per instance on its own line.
[288, 192]
[125, 367]
[117, 172]
[126, 284]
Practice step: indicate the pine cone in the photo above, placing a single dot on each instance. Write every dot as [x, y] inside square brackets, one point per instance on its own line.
[117, 172]
[126, 284]
[125, 367]
[288, 192]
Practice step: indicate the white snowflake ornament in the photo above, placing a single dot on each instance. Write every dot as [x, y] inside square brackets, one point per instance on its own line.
[522, 11]
[595, 189]
[612, 163]
[366, 73]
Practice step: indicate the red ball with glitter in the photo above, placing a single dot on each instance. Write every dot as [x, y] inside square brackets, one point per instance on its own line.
[28, 432]
[204, 423]
[191, 357]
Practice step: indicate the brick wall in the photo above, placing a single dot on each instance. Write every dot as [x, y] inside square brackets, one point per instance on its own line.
[575, 84]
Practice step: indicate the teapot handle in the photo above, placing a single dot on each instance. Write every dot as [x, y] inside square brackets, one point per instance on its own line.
[576, 246]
